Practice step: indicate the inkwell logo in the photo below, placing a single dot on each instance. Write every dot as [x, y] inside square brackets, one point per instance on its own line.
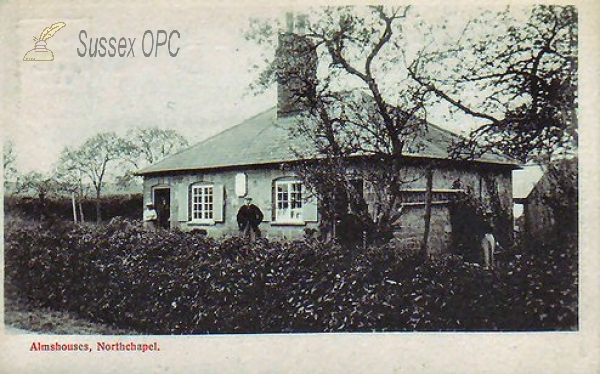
[40, 52]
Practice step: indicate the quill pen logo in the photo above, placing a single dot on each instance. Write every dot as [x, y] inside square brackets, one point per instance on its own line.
[40, 52]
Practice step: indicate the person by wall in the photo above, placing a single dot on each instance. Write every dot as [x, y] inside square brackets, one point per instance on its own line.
[150, 217]
[249, 217]
[488, 246]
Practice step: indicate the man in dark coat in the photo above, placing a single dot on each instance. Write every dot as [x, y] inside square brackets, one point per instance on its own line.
[249, 217]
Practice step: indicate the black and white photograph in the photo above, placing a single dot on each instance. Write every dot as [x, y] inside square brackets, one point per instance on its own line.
[200, 176]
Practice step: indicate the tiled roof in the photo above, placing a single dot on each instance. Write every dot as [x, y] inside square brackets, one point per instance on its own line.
[265, 139]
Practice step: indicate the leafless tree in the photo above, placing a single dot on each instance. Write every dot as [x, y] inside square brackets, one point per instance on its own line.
[9, 158]
[41, 184]
[147, 145]
[96, 159]
[520, 78]
[343, 123]
[151, 144]
[373, 98]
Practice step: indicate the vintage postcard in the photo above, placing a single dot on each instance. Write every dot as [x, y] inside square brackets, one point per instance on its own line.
[299, 187]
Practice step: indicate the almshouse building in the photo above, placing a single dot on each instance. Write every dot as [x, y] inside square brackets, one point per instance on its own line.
[204, 186]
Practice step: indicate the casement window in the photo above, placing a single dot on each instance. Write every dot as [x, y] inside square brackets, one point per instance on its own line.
[202, 202]
[288, 201]
[291, 203]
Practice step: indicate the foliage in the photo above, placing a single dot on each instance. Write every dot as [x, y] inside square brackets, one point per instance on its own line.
[551, 213]
[145, 146]
[61, 208]
[40, 184]
[171, 282]
[550, 272]
[518, 77]
[9, 158]
[470, 221]
[92, 162]
[562, 194]
[151, 144]
[365, 80]
[512, 73]
[341, 119]
[471, 218]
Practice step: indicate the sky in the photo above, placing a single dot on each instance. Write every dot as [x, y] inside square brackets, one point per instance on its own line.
[200, 92]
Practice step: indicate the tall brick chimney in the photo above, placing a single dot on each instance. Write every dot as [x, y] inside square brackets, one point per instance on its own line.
[296, 67]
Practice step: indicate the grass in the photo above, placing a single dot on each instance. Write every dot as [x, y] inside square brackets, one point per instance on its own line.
[19, 314]
[22, 314]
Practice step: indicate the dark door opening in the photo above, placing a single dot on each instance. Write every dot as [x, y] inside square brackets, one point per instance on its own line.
[162, 203]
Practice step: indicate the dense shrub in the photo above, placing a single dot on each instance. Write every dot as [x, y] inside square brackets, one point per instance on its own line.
[171, 282]
[128, 206]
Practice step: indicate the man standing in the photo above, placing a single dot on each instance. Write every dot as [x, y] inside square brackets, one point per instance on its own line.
[150, 217]
[249, 217]
[488, 245]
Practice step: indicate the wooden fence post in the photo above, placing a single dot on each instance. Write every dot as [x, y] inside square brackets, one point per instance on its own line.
[428, 198]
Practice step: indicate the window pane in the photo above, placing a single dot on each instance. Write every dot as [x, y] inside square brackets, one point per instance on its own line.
[202, 202]
[288, 200]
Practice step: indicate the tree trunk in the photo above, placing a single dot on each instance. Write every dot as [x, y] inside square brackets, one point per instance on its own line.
[428, 197]
[74, 207]
[79, 197]
[42, 204]
[98, 212]
[81, 216]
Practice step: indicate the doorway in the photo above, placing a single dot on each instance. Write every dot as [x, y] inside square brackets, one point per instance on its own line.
[162, 203]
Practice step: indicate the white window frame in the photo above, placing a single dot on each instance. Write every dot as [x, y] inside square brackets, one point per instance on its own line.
[202, 203]
[289, 201]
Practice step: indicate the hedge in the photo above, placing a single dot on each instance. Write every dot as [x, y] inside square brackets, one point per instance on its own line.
[128, 206]
[171, 282]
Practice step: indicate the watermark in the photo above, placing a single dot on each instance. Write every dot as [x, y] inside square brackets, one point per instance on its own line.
[40, 52]
[124, 46]
[151, 43]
